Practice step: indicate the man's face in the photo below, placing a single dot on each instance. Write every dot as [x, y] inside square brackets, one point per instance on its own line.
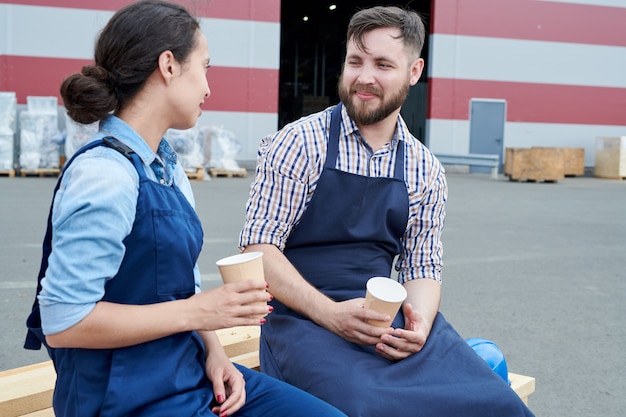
[374, 83]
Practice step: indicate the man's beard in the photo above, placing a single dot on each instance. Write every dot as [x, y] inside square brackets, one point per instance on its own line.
[360, 113]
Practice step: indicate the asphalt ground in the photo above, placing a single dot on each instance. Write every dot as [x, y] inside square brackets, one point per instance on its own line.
[538, 268]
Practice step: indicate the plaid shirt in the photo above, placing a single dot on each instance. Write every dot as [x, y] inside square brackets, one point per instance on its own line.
[290, 163]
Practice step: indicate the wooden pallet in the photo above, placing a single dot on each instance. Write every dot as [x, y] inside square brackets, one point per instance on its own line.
[219, 172]
[195, 173]
[41, 172]
[7, 172]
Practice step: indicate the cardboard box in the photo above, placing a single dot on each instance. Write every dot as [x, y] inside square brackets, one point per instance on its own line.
[610, 157]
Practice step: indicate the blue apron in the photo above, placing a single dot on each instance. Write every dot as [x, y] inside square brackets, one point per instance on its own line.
[350, 232]
[164, 377]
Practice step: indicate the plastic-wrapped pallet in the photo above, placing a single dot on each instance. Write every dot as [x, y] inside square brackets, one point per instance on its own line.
[40, 139]
[188, 146]
[77, 135]
[8, 109]
[224, 148]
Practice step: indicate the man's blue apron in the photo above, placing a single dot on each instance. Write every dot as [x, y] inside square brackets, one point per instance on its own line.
[351, 232]
[164, 377]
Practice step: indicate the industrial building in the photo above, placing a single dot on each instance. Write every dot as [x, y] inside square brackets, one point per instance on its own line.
[499, 73]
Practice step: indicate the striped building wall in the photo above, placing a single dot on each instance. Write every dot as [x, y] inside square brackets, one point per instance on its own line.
[42, 41]
[559, 64]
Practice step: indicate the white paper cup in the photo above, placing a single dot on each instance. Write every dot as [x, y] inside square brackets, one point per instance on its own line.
[245, 266]
[384, 295]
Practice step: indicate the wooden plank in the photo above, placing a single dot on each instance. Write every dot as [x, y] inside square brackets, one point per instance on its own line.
[522, 385]
[27, 389]
[7, 172]
[46, 412]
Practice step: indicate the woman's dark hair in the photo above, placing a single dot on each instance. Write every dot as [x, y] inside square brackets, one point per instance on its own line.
[412, 30]
[126, 54]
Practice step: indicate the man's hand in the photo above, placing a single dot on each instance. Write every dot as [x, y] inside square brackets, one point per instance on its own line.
[402, 343]
[349, 319]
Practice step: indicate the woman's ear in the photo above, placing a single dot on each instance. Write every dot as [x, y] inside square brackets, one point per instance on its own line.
[168, 66]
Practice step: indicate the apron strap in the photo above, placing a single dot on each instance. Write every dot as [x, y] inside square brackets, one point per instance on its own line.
[333, 138]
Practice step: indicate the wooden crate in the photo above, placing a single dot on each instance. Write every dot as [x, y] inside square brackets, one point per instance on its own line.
[610, 159]
[534, 164]
[573, 161]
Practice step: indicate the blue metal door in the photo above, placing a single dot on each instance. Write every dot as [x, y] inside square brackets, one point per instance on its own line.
[487, 119]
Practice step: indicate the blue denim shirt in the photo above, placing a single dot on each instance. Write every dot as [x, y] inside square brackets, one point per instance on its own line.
[92, 213]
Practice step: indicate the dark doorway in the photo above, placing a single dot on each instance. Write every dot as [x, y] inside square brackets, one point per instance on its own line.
[312, 53]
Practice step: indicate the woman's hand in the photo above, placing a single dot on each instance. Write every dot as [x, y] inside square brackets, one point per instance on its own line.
[229, 305]
[228, 384]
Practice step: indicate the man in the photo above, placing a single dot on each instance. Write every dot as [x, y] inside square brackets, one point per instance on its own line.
[337, 196]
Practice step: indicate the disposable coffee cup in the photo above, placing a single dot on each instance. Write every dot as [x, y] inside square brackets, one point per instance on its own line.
[384, 295]
[245, 266]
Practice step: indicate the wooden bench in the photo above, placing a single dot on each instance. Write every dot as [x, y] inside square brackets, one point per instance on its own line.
[472, 159]
[27, 391]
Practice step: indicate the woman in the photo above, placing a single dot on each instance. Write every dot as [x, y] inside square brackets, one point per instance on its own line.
[125, 322]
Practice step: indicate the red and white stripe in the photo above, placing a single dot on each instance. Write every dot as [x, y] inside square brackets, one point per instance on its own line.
[43, 41]
[560, 65]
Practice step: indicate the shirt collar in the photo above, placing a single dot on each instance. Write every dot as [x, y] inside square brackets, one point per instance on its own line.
[350, 128]
[165, 155]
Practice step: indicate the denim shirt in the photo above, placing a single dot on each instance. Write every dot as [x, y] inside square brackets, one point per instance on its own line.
[92, 213]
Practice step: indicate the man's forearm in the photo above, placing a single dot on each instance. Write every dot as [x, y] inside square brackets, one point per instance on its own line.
[289, 287]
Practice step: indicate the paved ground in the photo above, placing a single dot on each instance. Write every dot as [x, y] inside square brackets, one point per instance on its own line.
[537, 268]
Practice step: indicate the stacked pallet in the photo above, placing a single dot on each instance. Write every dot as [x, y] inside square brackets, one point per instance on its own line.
[220, 172]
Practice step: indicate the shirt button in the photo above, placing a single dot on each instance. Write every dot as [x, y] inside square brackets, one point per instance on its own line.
[162, 181]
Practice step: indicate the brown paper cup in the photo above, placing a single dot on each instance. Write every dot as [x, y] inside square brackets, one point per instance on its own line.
[245, 266]
[385, 296]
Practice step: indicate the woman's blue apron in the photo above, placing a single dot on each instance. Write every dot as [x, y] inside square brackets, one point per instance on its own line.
[351, 232]
[164, 377]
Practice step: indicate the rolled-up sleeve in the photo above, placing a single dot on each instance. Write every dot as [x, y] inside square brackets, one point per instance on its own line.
[422, 250]
[280, 191]
[92, 214]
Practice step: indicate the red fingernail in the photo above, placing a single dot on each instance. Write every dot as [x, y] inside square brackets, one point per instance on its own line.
[262, 321]
[271, 297]
[270, 308]
[220, 398]
[267, 285]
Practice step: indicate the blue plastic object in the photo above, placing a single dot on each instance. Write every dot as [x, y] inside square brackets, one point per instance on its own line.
[492, 354]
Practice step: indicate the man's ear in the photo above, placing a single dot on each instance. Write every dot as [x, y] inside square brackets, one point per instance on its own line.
[167, 66]
[416, 70]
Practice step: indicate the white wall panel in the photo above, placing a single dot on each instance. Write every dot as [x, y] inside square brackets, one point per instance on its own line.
[54, 32]
[496, 59]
